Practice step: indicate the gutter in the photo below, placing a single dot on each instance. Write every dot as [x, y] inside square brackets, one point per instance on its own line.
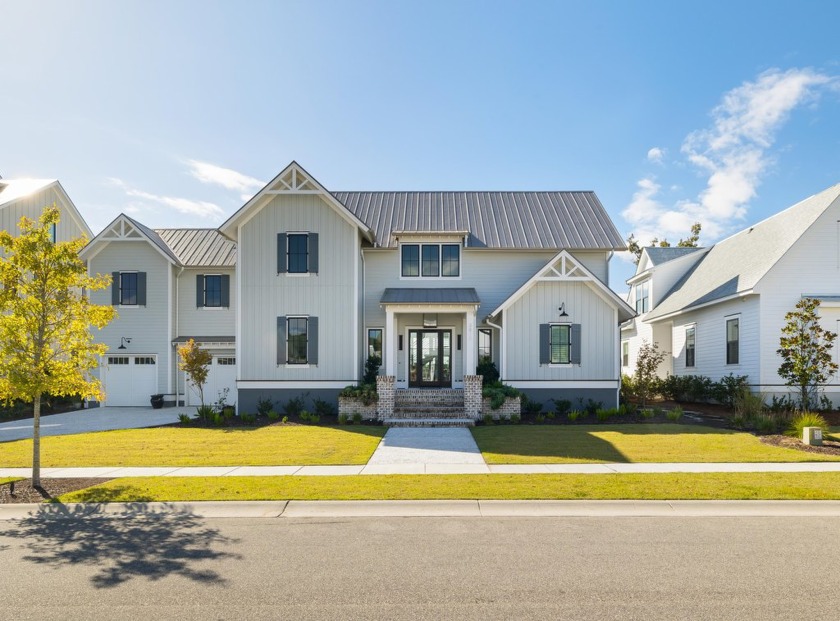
[689, 309]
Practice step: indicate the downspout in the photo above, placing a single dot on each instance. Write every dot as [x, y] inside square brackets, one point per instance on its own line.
[362, 328]
[177, 331]
[501, 344]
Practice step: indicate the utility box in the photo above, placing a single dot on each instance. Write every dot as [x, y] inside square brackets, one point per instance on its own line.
[812, 436]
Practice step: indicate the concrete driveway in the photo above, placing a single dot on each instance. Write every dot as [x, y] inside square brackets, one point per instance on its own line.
[93, 419]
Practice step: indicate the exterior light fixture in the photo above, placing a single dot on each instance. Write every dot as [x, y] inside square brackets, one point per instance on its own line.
[123, 342]
[562, 310]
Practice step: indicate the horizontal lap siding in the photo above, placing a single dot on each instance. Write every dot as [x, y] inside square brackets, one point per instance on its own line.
[147, 327]
[329, 295]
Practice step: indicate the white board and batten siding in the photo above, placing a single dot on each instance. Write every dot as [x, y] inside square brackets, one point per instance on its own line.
[32, 206]
[201, 321]
[329, 295]
[146, 326]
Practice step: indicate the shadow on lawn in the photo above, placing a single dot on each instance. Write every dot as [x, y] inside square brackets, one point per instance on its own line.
[142, 541]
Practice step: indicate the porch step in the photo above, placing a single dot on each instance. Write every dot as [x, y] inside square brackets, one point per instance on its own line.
[413, 397]
[429, 412]
[428, 422]
[422, 408]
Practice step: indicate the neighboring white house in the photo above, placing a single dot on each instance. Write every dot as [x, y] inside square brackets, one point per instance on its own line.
[301, 284]
[29, 197]
[720, 310]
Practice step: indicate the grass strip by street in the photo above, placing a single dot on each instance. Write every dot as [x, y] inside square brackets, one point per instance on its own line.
[680, 486]
[4, 480]
[275, 445]
[630, 443]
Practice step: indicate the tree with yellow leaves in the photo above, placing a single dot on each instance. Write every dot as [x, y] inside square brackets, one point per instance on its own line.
[46, 345]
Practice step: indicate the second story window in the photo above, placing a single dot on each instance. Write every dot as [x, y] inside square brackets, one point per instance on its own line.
[128, 289]
[298, 253]
[430, 260]
[212, 290]
[643, 297]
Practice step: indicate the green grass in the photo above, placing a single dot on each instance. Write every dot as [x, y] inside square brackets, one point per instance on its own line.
[5, 480]
[716, 486]
[173, 446]
[569, 444]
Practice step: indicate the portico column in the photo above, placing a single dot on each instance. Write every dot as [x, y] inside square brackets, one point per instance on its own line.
[391, 341]
[470, 346]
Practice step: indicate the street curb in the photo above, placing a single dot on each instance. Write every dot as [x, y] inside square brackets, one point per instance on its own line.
[299, 509]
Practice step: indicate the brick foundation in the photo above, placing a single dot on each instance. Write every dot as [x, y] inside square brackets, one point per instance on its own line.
[385, 386]
[511, 407]
[472, 396]
[351, 405]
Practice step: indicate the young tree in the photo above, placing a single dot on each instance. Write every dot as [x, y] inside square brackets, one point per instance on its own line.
[647, 363]
[805, 348]
[195, 362]
[691, 241]
[46, 345]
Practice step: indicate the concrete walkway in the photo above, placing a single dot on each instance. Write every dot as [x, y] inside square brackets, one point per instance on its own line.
[93, 419]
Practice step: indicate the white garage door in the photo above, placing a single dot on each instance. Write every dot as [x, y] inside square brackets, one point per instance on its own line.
[221, 374]
[130, 380]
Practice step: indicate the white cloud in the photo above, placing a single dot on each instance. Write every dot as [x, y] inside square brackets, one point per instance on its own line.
[201, 209]
[733, 154]
[655, 154]
[225, 177]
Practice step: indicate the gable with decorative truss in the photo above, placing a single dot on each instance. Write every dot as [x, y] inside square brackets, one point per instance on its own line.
[120, 230]
[563, 267]
[124, 229]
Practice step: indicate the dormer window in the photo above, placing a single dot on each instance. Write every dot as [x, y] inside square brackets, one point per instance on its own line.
[430, 261]
[643, 297]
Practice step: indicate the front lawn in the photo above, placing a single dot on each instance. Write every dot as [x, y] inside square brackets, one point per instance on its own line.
[713, 486]
[275, 445]
[569, 444]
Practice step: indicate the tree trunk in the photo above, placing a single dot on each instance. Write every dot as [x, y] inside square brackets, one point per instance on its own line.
[36, 442]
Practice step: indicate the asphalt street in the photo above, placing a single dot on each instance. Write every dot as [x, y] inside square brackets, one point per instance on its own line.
[184, 566]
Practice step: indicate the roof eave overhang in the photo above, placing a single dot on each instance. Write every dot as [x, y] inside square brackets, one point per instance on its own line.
[688, 309]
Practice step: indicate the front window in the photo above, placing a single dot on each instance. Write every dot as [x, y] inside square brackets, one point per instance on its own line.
[689, 346]
[375, 342]
[485, 343]
[128, 288]
[213, 290]
[297, 340]
[430, 261]
[451, 265]
[411, 260]
[561, 344]
[298, 253]
[643, 297]
[733, 338]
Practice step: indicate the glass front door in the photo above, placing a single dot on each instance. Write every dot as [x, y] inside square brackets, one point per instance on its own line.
[430, 358]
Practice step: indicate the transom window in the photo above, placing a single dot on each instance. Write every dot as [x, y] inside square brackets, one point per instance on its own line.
[128, 288]
[643, 297]
[733, 337]
[561, 344]
[212, 290]
[144, 360]
[431, 260]
[298, 253]
[690, 339]
[226, 361]
[485, 343]
[375, 342]
[117, 360]
[297, 340]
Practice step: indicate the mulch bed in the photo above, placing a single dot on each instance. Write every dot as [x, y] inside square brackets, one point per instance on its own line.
[50, 488]
[829, 447]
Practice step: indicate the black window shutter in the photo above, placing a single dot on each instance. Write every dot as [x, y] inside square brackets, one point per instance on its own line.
[281, 253]
[312, 337]
[115, 288]
[226, 290]
[281, 340]
[199, 290]
[141, 288]
[313, 253]
[545, 343]
[576, 344]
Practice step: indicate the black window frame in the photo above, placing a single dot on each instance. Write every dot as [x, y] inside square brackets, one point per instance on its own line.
[430, 266]
[301, 342]
[561, 328]
[690, 347]
[643, 297]
[381, 343]
[442, 261]
[733, 347]
[450, 261]
[488, 333]
[125, 290]
[215, 277]
[413, 262]
[297, 258]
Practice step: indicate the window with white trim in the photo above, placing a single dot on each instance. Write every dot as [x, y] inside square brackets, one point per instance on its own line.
[297, 253]
[690, 343]
[561, 343]
[212, 290]
[625, 354]
[485, 343]
[643, 297]
[430, 260]
[733, 340]
[297, 341]
[128, 288]
[375, 342]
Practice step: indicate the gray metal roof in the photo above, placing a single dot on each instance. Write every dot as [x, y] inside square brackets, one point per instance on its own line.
[153, 237]
[200, 247]
[570, 220]
[659, 255]
[438, 295]
[736, 264]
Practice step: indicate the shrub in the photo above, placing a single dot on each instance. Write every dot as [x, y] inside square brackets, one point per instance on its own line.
[530, 407]
[357, 418]
[343, 419]
[781, 404]
[727, 390]
[604, 415]
[550, 415]
[675, 414]
[314, 418]
[806, 419]
[285, 420]
[647, 365]
[573, 415]
[562, 406]
[486, 368]
[647, 413]
[765, 423]
[497, 393]
[748, 404]
[540, 418]
[366, 393]
[739, 421]
[264, 406]
[323, 408]
[272, 415]
[590, 407]
[218, 419]
[515, 419]
[205, 412]
[628, 388]
[185, 419]
[304, 416]
[488, 419]
[372, 365]
[294, 407]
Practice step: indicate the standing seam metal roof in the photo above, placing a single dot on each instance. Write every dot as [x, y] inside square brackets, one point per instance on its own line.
[571, 220]
[200, 247]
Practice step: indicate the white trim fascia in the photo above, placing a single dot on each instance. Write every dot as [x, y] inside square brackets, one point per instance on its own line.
[169, 328]
[237, 318]
[293, 384]
[71, 207]
[356, 327]
[571, 383]
[729, 298]
[102, 238]
[429, 308]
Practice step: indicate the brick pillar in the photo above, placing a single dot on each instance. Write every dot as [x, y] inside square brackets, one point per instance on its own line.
[472, 396]
[385, 385]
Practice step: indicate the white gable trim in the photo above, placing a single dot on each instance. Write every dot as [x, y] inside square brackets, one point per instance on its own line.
[292, 180]
[563, 267]
[120, 230]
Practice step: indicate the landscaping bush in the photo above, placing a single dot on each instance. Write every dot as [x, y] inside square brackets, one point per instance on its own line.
[515, 419]
[264, 406]
[487, 419]
[185, 419]
[372, 365]
[342, 419]
[590, 407]
[357, 418]
[781, 404]
[486, 368]
[205, 412]
[675, 414]
[540, 418]
[573, 415]
[727, 390]
[529, 407]
[366, 393]
[497, 393]
[603, 415]
[806, 419]
[294, 407]
[285, 420]
[272, 415]
[562, 406]
[628, 388]
[248, 419]
[323, 408]
[765, 424]
[749, 405]
[647, 413]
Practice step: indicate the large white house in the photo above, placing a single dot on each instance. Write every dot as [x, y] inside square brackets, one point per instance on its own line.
[301, 285]
[720, 310]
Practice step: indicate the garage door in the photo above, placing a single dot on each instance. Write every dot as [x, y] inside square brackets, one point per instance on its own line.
[130, 380]
[221, 374]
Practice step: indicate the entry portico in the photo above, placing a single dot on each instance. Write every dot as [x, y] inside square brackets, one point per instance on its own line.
[430, 336]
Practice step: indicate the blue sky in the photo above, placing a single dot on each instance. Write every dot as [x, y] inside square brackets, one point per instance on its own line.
[173, 112]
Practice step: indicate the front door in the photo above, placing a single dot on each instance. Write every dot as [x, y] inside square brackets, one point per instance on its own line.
[430, 358]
